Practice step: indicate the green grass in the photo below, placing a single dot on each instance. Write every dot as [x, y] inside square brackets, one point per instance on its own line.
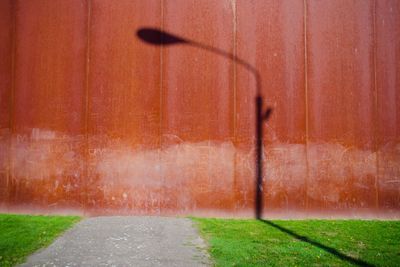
[21, 235]
[302, 243]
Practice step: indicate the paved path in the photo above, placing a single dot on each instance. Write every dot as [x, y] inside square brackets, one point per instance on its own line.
[126, 241]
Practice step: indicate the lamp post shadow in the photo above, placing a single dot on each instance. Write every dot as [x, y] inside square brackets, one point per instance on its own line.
[157, 37]
[330, 250]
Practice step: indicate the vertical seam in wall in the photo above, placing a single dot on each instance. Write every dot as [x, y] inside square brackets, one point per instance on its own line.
[86, 115]
[10, 176]
[376, 108]
[234, 10]
[161, 105]
[305, 17]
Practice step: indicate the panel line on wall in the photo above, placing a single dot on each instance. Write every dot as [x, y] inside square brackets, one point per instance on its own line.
[87, 107]
[161, 104]
[305, 17]
[10, 176]
[376, 122]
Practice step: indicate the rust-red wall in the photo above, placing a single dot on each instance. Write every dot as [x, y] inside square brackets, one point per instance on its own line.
[95, 121]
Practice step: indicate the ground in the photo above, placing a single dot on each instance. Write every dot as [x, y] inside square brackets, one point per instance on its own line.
[126, 241]
[302, 242]
[21, 235]
[158, 241]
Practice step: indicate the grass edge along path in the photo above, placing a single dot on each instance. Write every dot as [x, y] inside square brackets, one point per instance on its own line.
[21, 235]
[238, 242]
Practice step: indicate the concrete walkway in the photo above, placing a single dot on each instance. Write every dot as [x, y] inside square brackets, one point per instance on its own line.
[126, 241]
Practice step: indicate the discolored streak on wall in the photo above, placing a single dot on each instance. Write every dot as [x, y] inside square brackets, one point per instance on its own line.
[95, 121]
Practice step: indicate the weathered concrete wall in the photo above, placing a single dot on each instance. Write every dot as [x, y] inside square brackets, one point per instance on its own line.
[94, 120]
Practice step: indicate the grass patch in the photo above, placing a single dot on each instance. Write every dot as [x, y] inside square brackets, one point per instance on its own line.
[21, 235]
[302, 243]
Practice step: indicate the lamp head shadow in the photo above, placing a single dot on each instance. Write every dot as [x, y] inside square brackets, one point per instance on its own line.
[156, 37]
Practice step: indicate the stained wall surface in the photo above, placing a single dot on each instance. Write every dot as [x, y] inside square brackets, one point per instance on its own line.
[94, 120]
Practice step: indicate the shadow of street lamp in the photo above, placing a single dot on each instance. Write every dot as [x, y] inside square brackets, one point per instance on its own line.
[155, 36]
